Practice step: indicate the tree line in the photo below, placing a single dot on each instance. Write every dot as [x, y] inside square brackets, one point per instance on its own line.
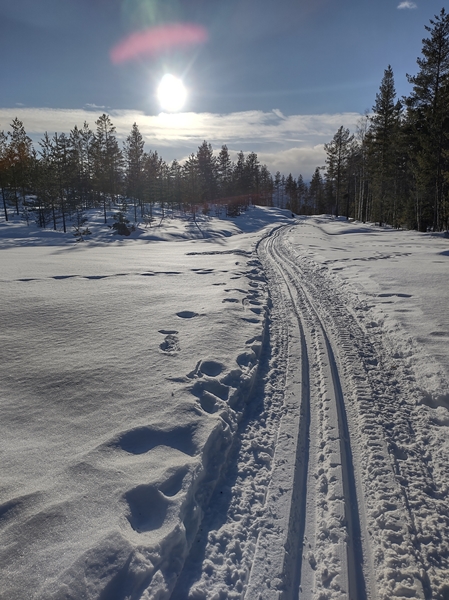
[395, 169]
[87, 168]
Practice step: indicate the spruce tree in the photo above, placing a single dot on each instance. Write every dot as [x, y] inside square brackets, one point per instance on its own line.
[338, 153]
[62, 167]
[302, 195]
[46, 184]
[224, 172]
[151, 175]
[3, 169]
[316, 193]
[107, 161]
[19, 159]
[207, 171]
[133, 151]
[291, 189]
[277, 187]
[252, 175]
[176, 179]
[383, 147]
[428, 120]
[266, 186]
[239, 175]
[192, 182]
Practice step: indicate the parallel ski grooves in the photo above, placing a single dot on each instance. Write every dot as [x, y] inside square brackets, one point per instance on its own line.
[297, 521]
[355, 577]
[356, 580]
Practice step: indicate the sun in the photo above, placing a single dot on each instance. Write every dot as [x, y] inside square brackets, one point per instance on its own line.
[171, 93]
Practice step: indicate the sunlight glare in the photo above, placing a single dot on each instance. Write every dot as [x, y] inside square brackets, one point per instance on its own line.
[171, 93]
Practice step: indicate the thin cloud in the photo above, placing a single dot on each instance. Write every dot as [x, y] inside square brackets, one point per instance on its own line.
[286, 143]
[94, 106]
[407, 5]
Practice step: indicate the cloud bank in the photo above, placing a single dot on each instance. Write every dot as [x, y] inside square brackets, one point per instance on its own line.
[286, 143]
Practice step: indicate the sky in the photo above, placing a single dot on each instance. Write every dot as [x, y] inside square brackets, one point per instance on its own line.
[274, 77]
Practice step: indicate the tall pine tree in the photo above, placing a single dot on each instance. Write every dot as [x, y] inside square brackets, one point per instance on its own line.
[338, 153]
[383, 144]
[428, 119]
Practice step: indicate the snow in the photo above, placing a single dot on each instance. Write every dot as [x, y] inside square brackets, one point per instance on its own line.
[191, 412]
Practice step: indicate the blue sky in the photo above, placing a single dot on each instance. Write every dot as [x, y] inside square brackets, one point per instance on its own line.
[277, 77]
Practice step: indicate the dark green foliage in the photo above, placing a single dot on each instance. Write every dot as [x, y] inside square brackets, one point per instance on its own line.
[428, 126]
[339, 152]
[134, 178]
[121, 224]
[396, 171]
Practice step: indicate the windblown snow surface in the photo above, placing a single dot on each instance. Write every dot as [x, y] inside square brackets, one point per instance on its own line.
[255, 409]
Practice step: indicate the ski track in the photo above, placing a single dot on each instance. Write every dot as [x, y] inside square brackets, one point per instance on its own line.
[322, 539]
[334, 485]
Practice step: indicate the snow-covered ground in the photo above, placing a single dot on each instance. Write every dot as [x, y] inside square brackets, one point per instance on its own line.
[252, 408]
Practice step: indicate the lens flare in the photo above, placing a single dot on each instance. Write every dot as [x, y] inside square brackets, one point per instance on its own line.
[155, 40]
[171, 93]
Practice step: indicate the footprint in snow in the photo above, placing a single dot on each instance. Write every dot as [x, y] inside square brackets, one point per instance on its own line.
[148, 504]
[143, 439]
[186, 314]
[147, 508]
[170, 345]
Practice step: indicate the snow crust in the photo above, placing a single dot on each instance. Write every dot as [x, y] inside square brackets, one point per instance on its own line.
[151, 424]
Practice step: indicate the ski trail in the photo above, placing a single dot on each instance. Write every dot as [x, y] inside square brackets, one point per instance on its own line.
[323, 551]
[405, 515]
[370, 483]
[329, 492]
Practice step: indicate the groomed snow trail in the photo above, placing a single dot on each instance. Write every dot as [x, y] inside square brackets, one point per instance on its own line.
[335, 487]
[367, 488]
[317, 552]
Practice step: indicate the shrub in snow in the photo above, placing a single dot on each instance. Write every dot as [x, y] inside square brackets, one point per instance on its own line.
[121, 224]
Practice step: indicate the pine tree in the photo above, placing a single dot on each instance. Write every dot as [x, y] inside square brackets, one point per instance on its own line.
[266, 186]
[282, 190]
[224, 172]
[207, 171]
[87, 160]
[3, 169]
[239, 175]
[80, 144]
[383, 147]
[176, 178]
[46, 184]
[19, 159]
[192, 182]
[62, 166]
[361, 173]
[302, 195]
[338, 152]
[291, 189]
[107, 161]
[252, 175]
[277, 187]
[151, 169]
[428, 119]
[316, 193]
[133, 151]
